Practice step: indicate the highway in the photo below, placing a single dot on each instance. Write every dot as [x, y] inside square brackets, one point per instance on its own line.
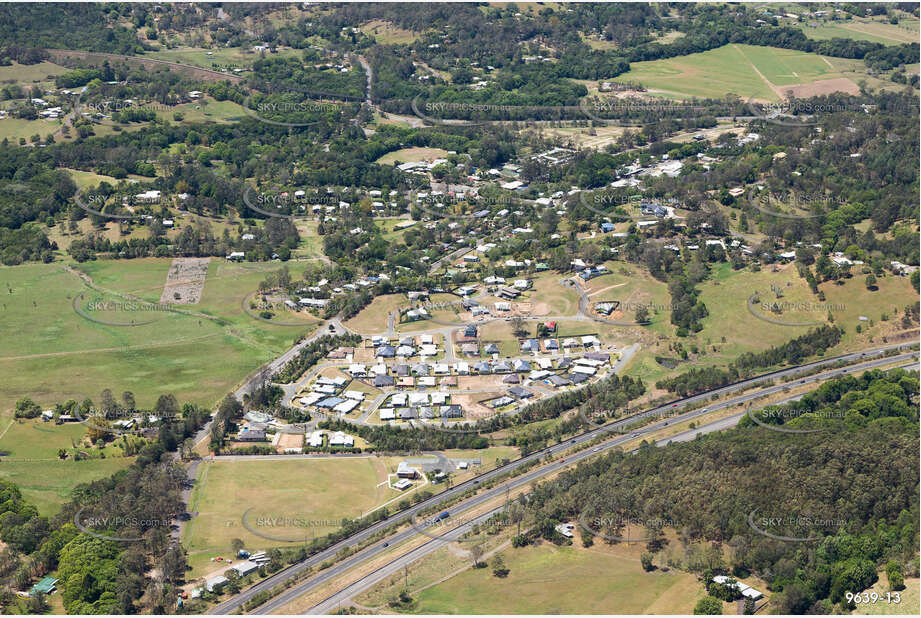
[235, 602]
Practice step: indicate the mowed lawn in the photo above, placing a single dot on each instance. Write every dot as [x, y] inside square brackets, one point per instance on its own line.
[731, 69]
[308, 497]
[565, 580]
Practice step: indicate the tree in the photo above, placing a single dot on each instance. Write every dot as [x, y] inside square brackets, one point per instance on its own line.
[749, 606]
[870, 282]
[107, 403]
[476, 552]
[97, 427]
[128, 400]
[894, 573]
[708, 606]
[646, 561]
[642, 314]
[237, 545]
[518, 326]
[498, 567]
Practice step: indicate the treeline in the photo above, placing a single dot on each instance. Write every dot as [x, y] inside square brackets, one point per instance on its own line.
[312, 353]
[793, 352]
[708, 490]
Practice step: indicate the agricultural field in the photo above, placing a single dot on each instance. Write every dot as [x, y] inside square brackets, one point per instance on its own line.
[565, 580]
[745, 70]
[296, 488]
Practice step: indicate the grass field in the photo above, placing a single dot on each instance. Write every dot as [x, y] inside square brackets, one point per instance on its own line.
[310, 497]
[28, 74]
[47, 484]
[373, 318]
[234, 57]
[405, 155]
[565, 580]
[726, 294]
[52, 353]
[865, 30]
[206, 110]
[386, 33]
[737, 69]
[15, 128]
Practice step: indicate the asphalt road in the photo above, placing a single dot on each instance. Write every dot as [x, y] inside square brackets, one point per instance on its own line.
[238, 600]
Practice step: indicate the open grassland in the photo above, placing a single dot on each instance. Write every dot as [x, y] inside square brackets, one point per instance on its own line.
[565, 580]
[29, 74]
[15, 128]
[405, 155]
[387, 33]
[906, 31]
[748, 71]
[633, 286]
[205, 110]
[373, 318]
[53, 352]
[308, 497]
[220, 57]
[730, 324]
[48, 484]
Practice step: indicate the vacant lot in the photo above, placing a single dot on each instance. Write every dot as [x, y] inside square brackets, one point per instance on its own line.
[305, 497]
[565, 580]
[373, 318]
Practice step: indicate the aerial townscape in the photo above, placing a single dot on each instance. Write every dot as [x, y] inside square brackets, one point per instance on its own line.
[473, 308]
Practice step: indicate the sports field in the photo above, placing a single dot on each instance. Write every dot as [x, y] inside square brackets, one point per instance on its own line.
[296, 498]
[748, 71]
